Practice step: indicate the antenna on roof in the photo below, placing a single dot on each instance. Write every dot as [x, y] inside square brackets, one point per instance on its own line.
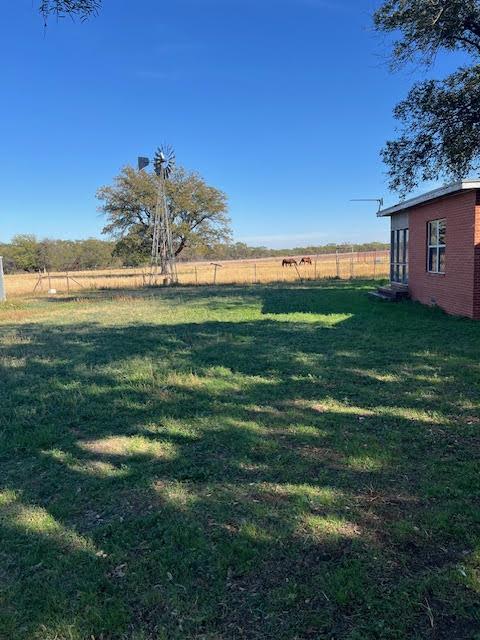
[379, 200]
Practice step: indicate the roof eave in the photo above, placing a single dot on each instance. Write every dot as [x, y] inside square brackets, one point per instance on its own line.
[450, 189]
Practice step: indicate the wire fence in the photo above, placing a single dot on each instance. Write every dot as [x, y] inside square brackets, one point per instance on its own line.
[341, 265]
[365, 265]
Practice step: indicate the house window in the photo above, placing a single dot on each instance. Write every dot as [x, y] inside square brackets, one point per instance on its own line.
[436, 246]
[399, 256]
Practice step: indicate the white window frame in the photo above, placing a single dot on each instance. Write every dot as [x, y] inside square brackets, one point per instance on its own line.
[399, 260]
[438, 245]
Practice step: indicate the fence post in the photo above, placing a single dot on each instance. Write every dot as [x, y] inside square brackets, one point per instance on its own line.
[215, 267]
[3, 295]
[351, 264]
[255, 273]
[375, 264]
[39, 282]
[68, 283]
[298, 273]
[196, 275]
[338, 263]
[315, 269]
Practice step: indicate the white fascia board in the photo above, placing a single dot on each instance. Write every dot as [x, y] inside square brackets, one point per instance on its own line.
[463, 185]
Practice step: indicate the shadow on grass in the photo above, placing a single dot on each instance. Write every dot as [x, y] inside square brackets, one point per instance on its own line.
[289, 476]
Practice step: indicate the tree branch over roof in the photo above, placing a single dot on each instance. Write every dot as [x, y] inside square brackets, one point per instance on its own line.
[62, 8]
[440, 118]
[427, 26]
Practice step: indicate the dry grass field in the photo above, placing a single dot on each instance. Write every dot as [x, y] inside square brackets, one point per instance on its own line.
[261, 271]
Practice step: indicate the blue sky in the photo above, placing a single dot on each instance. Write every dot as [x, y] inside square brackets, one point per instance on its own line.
[283, 104]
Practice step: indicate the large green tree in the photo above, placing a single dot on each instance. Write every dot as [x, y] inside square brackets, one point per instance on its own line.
[24, 252]
[440, 118]
[198, 211]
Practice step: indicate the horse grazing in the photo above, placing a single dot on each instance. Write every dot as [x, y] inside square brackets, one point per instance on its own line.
[306, 261]
[289, 262]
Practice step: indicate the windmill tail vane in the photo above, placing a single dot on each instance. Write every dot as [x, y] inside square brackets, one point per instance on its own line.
[163, 262]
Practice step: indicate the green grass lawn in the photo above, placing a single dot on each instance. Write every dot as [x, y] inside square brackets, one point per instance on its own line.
[291, 462]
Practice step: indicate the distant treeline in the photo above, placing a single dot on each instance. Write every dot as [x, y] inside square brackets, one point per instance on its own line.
[240, 250]
[27, 254]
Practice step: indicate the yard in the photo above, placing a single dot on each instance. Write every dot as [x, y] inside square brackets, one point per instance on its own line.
[284, 462]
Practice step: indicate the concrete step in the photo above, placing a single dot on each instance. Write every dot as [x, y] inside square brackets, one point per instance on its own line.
[381, 296]
[388, 292]
[395, 292]
[392, 294]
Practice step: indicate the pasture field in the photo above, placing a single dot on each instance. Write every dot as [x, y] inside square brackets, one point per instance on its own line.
[286, 462]
[371, 264]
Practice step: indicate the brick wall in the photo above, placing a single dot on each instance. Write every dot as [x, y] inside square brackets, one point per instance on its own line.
[457, 291]
[476, 286]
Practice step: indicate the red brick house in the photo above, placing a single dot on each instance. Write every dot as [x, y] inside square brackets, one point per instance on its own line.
[435, 248]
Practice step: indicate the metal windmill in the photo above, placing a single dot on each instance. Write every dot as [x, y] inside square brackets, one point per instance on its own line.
[163, 261]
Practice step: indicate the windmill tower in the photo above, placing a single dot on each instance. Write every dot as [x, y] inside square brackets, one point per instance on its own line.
[162, 263]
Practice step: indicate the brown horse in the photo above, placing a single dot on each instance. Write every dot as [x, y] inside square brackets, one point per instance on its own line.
[306, 261]
[289, 262]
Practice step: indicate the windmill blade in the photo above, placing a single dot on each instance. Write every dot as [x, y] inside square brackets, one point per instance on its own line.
[164, 160]
[158, 162]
